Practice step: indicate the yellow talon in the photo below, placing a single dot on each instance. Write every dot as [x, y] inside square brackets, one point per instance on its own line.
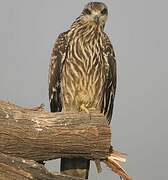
[83, 108]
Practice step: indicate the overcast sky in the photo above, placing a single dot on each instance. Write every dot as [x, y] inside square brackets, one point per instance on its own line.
[138, 30]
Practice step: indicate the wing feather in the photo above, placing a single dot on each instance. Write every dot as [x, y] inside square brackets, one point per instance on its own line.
[57, 59]
[109, 88]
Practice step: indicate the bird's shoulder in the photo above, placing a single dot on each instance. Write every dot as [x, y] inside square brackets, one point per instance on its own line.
[107, 45]
[57, 58]
[61, 42]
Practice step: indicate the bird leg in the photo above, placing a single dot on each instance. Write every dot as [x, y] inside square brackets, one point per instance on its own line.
[85, 109]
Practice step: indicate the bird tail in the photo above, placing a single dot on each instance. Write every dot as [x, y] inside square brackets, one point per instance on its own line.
[78, 167]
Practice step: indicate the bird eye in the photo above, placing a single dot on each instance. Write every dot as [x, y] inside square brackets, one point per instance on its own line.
[104, 11]
[87, 11]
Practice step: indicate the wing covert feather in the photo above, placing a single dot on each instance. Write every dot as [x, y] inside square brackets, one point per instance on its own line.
[109, 88]
[55, 69]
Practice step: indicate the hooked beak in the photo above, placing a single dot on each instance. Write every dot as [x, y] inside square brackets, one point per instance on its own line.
[96, 19]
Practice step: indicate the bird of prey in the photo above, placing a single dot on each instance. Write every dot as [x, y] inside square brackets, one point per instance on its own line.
[82, 73]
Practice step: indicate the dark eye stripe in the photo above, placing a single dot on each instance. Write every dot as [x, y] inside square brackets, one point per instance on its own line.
[104, 11]
[87, 11]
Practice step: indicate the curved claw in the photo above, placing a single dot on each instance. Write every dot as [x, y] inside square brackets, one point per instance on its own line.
[83, 108]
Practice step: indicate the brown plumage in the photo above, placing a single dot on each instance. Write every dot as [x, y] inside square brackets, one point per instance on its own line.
[82, 73]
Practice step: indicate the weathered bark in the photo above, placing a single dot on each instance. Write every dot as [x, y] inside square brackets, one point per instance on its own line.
[12, 168]
[38, 135]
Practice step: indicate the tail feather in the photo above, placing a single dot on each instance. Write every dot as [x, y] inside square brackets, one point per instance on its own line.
[78, 167]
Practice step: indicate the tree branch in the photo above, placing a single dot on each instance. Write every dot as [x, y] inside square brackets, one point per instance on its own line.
[38, 135]
[21, 169]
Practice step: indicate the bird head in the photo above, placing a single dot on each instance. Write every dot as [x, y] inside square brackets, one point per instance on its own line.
[95, 13]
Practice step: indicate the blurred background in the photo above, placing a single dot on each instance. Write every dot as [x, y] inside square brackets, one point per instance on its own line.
[138, 30]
